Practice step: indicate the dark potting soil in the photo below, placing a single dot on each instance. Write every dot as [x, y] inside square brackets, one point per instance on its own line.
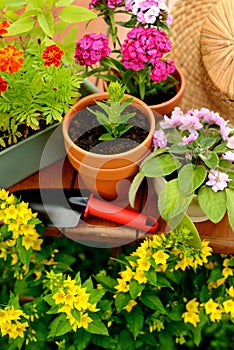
[161, 97]
[85, 131]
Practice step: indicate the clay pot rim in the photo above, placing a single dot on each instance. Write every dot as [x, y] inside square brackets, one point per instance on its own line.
[178, 94]
[90, 99]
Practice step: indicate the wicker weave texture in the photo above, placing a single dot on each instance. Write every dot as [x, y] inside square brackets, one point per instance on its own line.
[189, 16]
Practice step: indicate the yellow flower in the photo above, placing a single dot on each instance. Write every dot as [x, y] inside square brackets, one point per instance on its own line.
[227, 271]
[140, 276]
[230, 291]
[130, 305]
[127, 274]
[3, 194]
[184, 263]
[15, 258]
[216, 316]
[192, 306]
[93, 307]
[10, 213]
[122, 286]
[143, 264]
[229, 306]
[59, 297]
[84, 321]
[211, 306]
[226, 262]
[160, 257]
[191, 317]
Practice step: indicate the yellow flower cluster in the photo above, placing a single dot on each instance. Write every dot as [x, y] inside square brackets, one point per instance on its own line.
[192, 312]
[73, 300]
[17, 215]
[12, 322]
[155, 253]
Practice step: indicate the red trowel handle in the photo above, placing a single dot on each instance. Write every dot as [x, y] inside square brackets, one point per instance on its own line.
[120, 215]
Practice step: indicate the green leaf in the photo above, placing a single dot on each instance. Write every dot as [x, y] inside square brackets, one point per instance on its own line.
[46, 23]
[186, 223]
[230, 206]
[97, 326]
[82, 339]
[191, 177]
[63, 3]
[135, 320]
[121, 301]
[135, 289]
[151, 276]
[214, 204]
[59, 326]
[107, 282]
[172, 202]
[153, 302]
[134, 187]
[161, 165]
[74, 14]
[210, 158]
[24, 255]
[23, 25]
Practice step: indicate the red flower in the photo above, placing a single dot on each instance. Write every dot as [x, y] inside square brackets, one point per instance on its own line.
[52, 55]
[3, 85]
[11, 59]
[3, 25]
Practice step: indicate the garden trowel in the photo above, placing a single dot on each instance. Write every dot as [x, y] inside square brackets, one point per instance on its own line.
[64, 208]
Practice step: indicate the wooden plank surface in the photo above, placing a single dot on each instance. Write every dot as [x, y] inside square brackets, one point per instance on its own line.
[96, 231]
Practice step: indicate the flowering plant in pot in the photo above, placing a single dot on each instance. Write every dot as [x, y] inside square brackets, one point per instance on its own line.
[38, 78]
[194, 152]
[106, 136]
[141, 61]
[58, 295]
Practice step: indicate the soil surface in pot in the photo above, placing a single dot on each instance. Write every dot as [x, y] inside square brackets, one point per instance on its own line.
[161, 97]
[85, 131]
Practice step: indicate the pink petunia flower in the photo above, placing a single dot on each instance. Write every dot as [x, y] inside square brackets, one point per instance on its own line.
[218, 180]
[230, 142]
[229, 156]
[159, 139]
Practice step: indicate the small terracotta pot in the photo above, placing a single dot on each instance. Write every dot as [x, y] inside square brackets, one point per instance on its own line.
[167, 107]
[101, 173]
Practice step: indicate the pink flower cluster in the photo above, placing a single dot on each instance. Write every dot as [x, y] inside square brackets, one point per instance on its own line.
[91, 49]
[149, 11]
[144, 45]
[189, 127]
[110, 3]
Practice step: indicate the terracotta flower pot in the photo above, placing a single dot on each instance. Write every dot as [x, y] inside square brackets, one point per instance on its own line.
[100, 173]
[168, 106]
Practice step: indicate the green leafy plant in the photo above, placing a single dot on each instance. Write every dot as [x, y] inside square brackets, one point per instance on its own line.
[114, 116]
[194, 152]
[38, 77]
[161, 292]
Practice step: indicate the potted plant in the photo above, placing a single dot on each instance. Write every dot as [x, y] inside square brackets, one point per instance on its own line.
[141, 61]
[194, 152]
[38, 80]
[58, 295]
[107, 144]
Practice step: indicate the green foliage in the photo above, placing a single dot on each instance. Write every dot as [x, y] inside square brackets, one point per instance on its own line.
[114, 116]
[39, 94]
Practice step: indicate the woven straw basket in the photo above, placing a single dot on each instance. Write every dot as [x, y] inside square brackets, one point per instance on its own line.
[202, 35]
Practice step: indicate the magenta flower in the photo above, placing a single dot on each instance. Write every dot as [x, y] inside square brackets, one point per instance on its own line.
[229, 155]
[217, 180]
[161, 70]
[144, 45]
[91, 49]
[110, 3]
[159, 139]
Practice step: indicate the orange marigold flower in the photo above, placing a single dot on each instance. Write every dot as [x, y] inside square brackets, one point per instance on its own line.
[11, 59]
[3, 85]
[52, 55]
[3, 25]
